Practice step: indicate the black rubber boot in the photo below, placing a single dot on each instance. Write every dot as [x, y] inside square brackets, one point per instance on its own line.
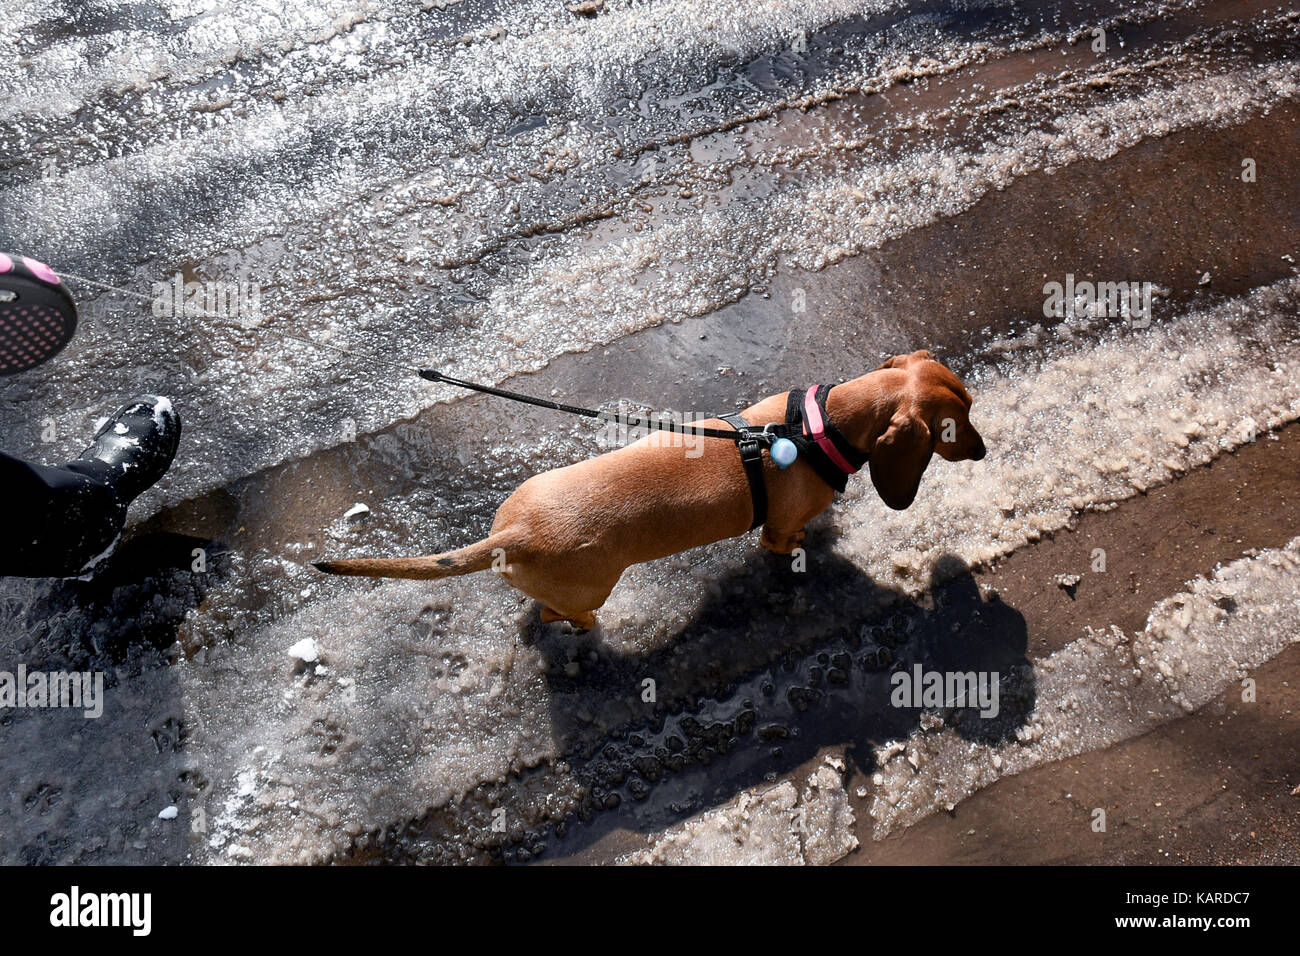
[63, 521]
[138, 444]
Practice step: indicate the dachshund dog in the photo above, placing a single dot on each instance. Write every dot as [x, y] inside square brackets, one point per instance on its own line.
[566, 536]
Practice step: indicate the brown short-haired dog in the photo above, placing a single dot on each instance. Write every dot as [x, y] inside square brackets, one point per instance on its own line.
[566, 536]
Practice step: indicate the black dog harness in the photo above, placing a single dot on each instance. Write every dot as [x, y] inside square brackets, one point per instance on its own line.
[751, 456]
[818, 442]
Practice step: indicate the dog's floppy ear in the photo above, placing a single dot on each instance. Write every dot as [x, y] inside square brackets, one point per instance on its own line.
[898, 361]
[899, 459]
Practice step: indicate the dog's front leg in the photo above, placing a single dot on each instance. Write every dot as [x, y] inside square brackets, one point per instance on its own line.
[781, 542]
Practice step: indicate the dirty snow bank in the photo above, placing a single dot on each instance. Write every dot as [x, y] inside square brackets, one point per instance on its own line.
[770, 826]
[1109, 686]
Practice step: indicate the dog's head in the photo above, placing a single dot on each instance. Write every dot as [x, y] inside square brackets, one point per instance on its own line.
[920, 407]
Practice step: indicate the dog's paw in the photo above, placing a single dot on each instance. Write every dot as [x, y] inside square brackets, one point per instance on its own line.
[575, 623]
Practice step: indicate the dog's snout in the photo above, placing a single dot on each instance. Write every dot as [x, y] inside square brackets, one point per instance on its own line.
[979, 452]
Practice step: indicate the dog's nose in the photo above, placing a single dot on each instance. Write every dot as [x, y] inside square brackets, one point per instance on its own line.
[979, 453]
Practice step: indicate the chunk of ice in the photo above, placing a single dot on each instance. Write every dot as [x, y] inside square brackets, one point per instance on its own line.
[305, 650]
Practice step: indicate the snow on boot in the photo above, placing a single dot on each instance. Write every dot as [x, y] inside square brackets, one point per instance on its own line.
[138, 443]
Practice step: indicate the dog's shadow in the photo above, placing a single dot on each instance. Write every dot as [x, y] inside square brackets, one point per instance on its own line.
[774, 666]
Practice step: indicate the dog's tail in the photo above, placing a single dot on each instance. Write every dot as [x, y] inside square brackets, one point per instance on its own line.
[475, 557]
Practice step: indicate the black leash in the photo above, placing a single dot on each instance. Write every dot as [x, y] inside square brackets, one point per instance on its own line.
[633, 421]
